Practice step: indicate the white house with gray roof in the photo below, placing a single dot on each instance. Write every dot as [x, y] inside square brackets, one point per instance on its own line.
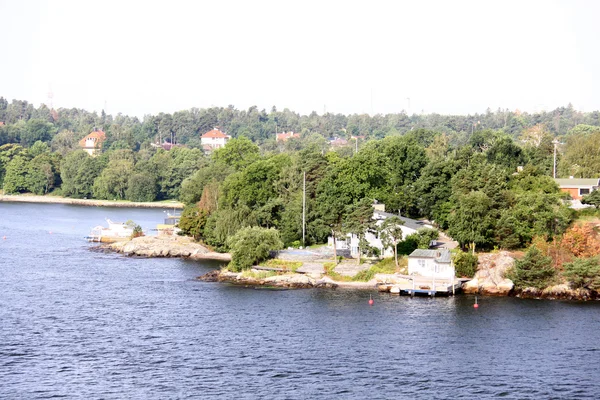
[431, 263]
[351, 241]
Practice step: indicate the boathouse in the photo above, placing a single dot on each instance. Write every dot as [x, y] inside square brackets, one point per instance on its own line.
[431, 263]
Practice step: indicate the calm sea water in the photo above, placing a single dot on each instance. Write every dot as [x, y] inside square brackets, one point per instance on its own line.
[76, 323]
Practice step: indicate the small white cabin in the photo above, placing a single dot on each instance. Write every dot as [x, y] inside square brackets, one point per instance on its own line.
[431, 263]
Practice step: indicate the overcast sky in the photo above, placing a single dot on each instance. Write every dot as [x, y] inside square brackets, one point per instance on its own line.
[449, 57]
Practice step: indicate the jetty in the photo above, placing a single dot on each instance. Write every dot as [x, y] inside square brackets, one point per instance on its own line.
[415, 285]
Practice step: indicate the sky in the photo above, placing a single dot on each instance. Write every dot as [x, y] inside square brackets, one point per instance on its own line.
[447, 57]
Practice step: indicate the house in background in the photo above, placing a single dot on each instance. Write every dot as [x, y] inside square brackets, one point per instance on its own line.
[338, 142]
[92, 143]
[577, 187]
[282, 137]
[351, 241]
[431, 263]
[214, 139]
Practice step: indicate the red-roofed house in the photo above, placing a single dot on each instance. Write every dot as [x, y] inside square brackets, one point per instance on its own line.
[93, 142]
[214, 139]
[282, 137]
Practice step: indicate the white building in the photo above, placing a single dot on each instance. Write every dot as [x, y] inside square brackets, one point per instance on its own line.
[351, 241]
[431, 263]
[214, 139]
[92, 143]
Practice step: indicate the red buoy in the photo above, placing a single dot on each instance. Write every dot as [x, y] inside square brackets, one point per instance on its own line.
[371, 302]
[475, 305]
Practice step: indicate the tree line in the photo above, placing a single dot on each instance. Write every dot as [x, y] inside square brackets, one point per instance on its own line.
[485, 179]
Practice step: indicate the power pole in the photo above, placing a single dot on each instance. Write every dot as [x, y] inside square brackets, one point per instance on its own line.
[554, 142]
[304, 210]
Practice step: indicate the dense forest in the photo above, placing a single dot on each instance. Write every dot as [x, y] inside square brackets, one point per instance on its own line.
[485, 179]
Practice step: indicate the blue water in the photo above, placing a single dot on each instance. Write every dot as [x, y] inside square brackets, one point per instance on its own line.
[78, 323]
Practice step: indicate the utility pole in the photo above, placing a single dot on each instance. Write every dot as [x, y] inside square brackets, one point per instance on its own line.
[304, 210]
[554, 142]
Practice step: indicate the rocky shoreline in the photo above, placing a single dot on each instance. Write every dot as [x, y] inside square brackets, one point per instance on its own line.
[166, 246]
[488, 281]
[86, 202]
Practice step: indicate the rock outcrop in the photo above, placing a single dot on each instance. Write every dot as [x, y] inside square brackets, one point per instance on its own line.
[489, 278]
[562, 291]
[166, 246]
[290, 281]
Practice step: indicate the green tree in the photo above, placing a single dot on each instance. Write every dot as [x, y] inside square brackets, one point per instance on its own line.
[78, 172]
[471, 222]
[583, 273]
[592, 198]
[237, 153]
[358, 220]
[112, 182]
[192, 221]
[426, 236]
[141, 187]
[15, 180]
[36, 129]
[533, 270]
[42, 173]
[251, 245]
[390, 232]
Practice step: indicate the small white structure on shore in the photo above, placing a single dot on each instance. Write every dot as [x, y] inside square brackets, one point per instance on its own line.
[116, 231]
[431, 263]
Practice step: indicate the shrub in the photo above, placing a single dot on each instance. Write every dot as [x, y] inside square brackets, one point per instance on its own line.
[409, 244]
[583, 273]
[250, 246]
[465, 264]
[534, 270]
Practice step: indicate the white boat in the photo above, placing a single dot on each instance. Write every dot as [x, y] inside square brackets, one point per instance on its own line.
[116, 231]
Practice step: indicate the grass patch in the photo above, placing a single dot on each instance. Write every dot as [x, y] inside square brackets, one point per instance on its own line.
[330, 272]
[258, 274]
[283, 264]
[385, 266]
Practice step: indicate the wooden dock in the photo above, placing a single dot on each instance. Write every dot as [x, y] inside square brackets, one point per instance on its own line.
[422, 286]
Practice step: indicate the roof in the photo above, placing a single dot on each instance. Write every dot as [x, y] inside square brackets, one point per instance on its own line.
[338, 142]
[215, 133]
[573, 182]
[98, 136]
[285, 136]
[408, 222]
[441, 256]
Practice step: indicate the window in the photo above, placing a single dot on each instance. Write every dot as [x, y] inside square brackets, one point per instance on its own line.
[583, 192]
[421, 263]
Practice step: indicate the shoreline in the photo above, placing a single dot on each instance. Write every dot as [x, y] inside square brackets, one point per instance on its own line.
[86, 202]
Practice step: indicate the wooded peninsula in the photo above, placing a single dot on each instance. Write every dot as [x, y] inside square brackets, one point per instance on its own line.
[486, 180]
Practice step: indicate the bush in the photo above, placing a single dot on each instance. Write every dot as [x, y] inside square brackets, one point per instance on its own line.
[534, 270]
[583, 273]
[408, 245]
[250, 246]
[465, 264]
